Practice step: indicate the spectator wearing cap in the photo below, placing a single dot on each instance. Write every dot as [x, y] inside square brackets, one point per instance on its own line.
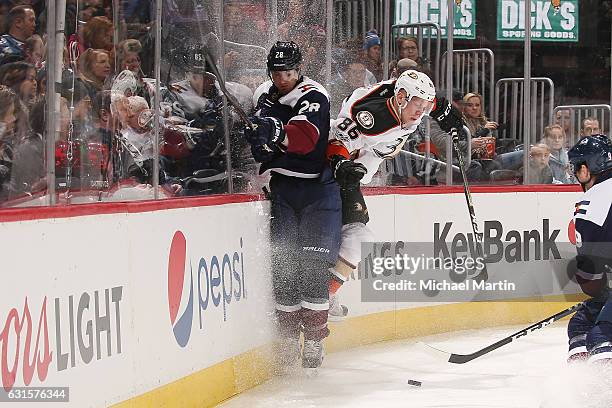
[21, 21]
[372, 54]
[396, 68]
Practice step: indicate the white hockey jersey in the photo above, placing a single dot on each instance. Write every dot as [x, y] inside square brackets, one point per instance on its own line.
[369, 126]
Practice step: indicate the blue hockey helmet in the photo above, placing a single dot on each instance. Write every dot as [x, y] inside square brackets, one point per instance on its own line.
[284, 56]
[594, 151]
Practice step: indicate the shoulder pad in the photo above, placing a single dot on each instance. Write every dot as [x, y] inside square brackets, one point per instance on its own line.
[305, 87]
[595, 204]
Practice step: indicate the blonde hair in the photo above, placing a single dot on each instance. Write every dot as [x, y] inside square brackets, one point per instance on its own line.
[125, 46]
[548, 130]
[85, 64]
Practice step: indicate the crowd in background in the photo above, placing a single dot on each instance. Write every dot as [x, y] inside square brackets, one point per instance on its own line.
[107, 98]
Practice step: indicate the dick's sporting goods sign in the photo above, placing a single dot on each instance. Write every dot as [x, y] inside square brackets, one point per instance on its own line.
[436, 11]
[549, 22]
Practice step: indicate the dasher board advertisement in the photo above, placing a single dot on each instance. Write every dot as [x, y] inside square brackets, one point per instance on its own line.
[551, 20]
[436, 11]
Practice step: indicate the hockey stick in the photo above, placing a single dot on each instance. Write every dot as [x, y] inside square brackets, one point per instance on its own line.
[229, 96]
[464, 358]
[483, 275]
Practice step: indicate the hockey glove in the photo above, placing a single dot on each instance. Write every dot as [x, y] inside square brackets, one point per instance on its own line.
[269, 131]
[354, 208]
[347, 172]
[265, 153]
[266, 101]
[447, 115]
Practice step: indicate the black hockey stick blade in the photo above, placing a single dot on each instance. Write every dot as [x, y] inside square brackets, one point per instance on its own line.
[464, 358]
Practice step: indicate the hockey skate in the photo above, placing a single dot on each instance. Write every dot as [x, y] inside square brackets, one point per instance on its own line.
[286, 355]
[312, 355]
[337, 311]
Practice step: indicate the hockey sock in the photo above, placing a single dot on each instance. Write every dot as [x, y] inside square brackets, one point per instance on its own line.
[288, 323]
[315, 324]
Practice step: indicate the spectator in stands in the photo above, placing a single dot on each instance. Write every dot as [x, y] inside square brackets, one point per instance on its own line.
[554, 138]
[101, 117]
[351, 75]
[29, 175]
[33, 50]
[396, 68]
[564, 119]
[7, 137]
[21, 21]
[590, 126]
[372, 52]
[94, 69]
[79, 102]
[98, 34]
[407, 47]
[137, 139]
[475, 119]
[128, 58]
[21, 78]
[539, 170]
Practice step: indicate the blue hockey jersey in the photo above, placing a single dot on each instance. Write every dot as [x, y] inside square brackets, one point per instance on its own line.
[305, 115]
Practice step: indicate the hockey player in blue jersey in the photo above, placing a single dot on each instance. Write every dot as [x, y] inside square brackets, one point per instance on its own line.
[289, 140]
[590, 329]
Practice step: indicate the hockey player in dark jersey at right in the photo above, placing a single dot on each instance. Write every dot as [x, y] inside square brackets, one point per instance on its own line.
[290, 140]
[590, 329]
[373, 125]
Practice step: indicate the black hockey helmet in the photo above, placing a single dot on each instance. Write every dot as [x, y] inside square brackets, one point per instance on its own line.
[595, 151]
[284, 56]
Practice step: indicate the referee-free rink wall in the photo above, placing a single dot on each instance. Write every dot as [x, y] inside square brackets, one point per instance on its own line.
[169, 303]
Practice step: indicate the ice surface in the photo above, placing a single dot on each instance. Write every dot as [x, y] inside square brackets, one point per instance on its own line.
[530, 372]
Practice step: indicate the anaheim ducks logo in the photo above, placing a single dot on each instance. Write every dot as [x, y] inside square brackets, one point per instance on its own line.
[556, 5]
[365, 119]
[412, 75]
[392, 149]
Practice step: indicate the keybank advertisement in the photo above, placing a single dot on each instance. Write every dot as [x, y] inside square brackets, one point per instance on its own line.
[436, 11]
[555, 20]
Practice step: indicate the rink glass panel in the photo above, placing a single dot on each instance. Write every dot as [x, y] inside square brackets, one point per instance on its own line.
[568, 62]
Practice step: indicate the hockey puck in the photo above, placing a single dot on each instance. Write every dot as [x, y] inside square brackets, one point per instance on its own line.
[415, 383]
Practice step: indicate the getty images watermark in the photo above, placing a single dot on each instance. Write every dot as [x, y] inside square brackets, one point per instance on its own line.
[458, 272]
[410, 265]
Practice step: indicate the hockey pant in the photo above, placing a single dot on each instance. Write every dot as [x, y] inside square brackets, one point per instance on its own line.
[305, 232]
[590, 331]
[354, 232]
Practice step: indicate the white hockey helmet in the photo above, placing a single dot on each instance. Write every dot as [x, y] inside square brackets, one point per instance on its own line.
[415, 83]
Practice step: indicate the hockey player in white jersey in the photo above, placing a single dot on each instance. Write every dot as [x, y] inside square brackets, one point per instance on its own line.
[373, 125]
[590, 329]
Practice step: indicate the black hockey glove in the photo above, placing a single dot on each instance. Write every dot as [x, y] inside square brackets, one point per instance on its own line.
[269, 131]
[266, 101]
[347, 172]
[354, 208]
[265, 153]
[447, 115]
